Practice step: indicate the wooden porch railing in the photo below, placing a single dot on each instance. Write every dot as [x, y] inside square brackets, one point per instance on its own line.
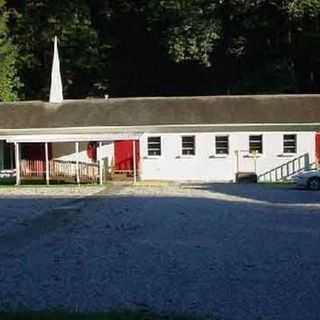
[60, 169]
[32, 168]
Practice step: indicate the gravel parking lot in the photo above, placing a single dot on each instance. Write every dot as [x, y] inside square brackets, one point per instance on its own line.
[233, 251]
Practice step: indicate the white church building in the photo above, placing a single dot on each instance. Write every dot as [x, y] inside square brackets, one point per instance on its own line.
[216, 138]
[190, 138]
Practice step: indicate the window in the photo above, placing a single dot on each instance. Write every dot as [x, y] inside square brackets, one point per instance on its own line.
[222, 145]
[188, 145]
[289, 143]
[255, 144]
[154, 146]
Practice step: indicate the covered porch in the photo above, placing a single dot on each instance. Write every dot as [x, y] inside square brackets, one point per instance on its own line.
[90, 158]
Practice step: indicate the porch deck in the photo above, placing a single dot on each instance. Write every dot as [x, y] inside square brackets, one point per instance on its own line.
[66, 171]
[59, 170]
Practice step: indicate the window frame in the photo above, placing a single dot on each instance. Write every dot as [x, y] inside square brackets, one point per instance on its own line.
[250, 143]
[295, 143]
[148, 149]
[194, 146]
[228, 145]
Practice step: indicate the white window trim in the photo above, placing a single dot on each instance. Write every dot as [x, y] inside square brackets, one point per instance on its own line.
[161, 150]
[251, 154]
[220, 155]
[289, 154]
[188, 156]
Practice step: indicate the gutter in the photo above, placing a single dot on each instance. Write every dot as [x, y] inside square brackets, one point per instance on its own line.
[176, 128]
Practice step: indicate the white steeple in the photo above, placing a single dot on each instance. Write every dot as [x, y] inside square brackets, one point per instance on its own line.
[56, 94]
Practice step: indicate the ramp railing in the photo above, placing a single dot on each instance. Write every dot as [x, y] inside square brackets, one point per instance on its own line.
[285, 171]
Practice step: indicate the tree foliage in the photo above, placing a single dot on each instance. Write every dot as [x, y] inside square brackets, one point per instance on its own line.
[8, 76]
[303, 8]
[33, 29]
[189, 28]
[169, 47]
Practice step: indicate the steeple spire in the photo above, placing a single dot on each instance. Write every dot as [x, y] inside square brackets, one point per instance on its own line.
[56, 94]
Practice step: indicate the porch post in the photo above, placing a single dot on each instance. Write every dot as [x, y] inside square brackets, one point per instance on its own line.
[134, 162]
[47, 163]
[17, 156]
[255, 161]
[100, 164]
[238, 160]
[77, 163]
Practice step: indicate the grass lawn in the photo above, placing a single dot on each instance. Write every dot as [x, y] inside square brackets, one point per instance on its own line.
[92, 316]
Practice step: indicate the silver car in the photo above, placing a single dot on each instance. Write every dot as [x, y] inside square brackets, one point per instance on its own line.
[308, 179]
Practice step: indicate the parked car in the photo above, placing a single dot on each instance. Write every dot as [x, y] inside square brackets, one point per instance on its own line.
[308, 179]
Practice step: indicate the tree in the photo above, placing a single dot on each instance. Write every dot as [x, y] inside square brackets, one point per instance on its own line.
[83, 65]
[158, 47]
[190, 28]
[169, 47]
[8, 74]
[303, 8]
[304, 18]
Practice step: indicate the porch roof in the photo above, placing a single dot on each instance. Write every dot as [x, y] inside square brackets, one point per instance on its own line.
[71, 137]
[134, 113]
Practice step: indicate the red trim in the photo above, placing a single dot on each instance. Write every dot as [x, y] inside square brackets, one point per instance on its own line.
[318, 147]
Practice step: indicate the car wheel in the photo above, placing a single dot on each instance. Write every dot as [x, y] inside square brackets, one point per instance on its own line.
[314, 184]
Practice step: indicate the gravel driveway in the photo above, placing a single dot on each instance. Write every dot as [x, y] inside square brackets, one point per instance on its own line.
[234, 251]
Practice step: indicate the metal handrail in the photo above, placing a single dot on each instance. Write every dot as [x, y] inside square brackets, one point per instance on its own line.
[296, 168]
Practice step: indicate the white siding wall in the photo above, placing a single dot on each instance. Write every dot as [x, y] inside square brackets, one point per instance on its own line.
[107, 151]
[207, 166]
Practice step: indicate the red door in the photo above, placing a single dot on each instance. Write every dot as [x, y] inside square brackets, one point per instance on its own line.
[123, 153]
[318, 147]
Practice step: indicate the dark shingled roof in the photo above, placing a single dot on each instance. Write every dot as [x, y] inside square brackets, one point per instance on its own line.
[280, 109]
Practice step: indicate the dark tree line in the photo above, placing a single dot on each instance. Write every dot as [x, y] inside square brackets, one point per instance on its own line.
[162, 47]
